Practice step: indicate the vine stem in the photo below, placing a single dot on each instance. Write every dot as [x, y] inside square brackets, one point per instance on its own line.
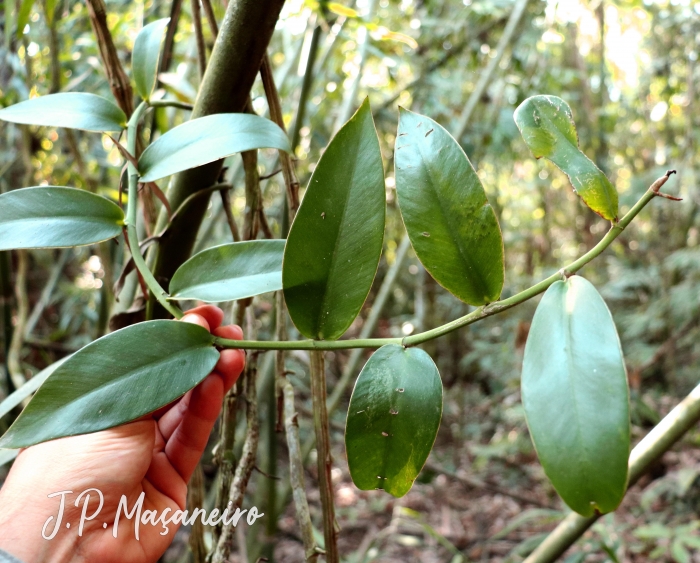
[476, 315]
[158, 292]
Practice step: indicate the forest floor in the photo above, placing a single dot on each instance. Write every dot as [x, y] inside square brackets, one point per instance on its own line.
[483, 497]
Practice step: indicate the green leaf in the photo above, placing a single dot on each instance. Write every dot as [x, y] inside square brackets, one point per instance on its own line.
[144, 59]
[73, 110]
[230, 271]
[451, 224]
[393, 419]
[208, 139]
[114, 380]
[547, 126]
[53, 217]
[576, 399]
[25, 11]
[679, 553]
[335, 242]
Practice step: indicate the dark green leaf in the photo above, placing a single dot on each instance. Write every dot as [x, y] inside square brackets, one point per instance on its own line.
[208, 139]
[52, 217]
[393, 419]
[574, 390]
[335, 241]
[114, 380]
[230, 271]
[547, 126]
[452, 227]
[144, 60]
[73, 110]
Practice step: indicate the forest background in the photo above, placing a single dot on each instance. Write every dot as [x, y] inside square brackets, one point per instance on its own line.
[629, 71]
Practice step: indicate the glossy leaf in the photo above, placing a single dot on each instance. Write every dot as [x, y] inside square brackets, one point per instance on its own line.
[336, 239]
[547, 126]
[73, 110]
[144, 60]
[576, 399]
[53, 217]
[393, 419]
[207, 139]
[230, 271]
[451, 224]
[114, 380]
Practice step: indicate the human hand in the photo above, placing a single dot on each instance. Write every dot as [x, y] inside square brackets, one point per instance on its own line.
[155, 455]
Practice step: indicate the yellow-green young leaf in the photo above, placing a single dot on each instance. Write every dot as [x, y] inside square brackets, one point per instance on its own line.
[576, 399]
[336, 239]
[144, 59]
[54, 217]
[114, 380]
[393, 419]
[230, 271]
[451, 224]
[208, 139]
[547, 126]
[73, 110]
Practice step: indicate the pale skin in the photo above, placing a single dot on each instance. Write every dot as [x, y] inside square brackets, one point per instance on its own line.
[156, 455]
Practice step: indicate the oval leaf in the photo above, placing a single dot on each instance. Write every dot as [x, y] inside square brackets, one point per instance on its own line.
[54, 217]
[393, 419]
[73, 110]
[208, 139]
[230, 271]
[335, 242]
[547, 126]
[576, 399]
[144, 60]
[452, 227]
[114, 380]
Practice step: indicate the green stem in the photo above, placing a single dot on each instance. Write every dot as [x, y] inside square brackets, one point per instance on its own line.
[474, 316]
[158, 292]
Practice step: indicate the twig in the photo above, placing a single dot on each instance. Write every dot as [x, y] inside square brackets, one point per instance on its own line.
[251, 222]
[211, 18]
[246, 464]
[169, 41]
[46, 293]
[118, 80]
[195, 499]
[296, 474]
[306, 86]
[199, 35]
[348, 105]
[671, 429]
[290, 179]
[656, 186]
[14, 364]
[325, 462]
[485, 78]
[228, 211]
